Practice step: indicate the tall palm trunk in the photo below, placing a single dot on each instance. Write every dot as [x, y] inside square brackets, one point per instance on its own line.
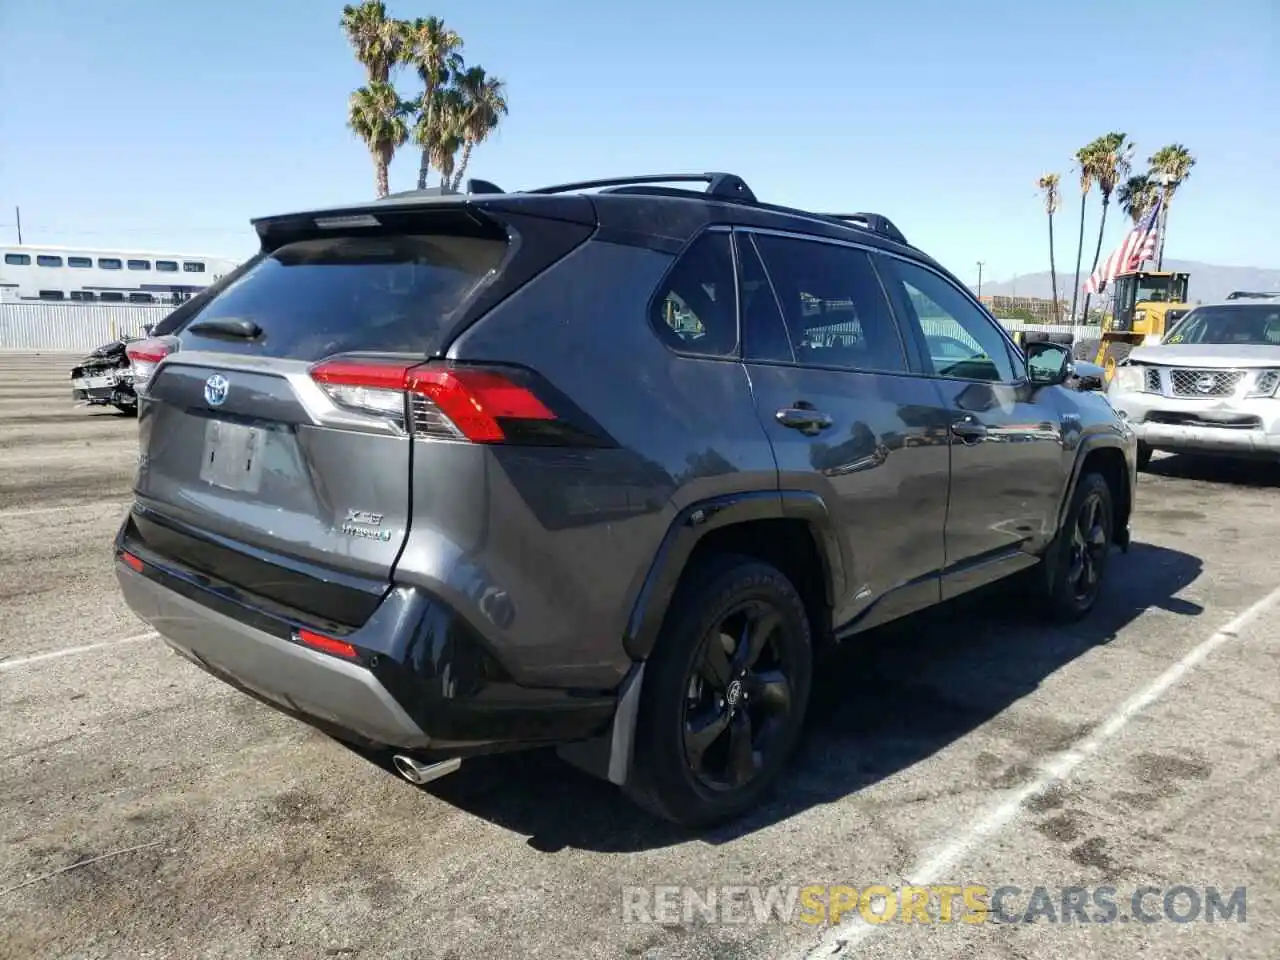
[380, 177]
[467, 146]
[1097, 251]
[1053, 274]
[1164, 226]
[1075, 291]
[428, 109]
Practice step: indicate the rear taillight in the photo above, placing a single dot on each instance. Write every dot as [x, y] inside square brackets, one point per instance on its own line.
[144, 356]
[479, 404]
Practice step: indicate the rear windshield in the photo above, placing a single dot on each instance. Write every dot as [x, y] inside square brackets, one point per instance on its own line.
[1252, 323]
[315, 298]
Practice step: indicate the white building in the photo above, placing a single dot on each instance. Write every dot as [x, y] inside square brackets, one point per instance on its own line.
[105, 276]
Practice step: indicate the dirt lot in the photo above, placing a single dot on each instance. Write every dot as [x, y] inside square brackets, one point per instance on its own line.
[968, 746]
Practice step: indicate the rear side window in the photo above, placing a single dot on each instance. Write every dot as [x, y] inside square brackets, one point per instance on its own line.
[696, 311]
[314, 298]
[836, 311]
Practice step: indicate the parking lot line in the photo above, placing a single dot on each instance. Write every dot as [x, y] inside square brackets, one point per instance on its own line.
[842, 940]
[37, 511]
[6, 665]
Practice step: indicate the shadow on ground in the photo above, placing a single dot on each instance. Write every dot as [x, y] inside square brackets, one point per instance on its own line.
[1229, 470]
[887, 700]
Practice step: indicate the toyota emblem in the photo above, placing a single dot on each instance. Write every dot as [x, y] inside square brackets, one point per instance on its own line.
[215, 390]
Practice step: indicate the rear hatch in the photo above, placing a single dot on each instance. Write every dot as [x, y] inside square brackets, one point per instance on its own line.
[276, 432]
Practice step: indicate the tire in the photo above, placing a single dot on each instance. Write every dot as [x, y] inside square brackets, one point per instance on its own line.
[1062, 593]
[1085, 350]
[1144, 456]
[723, 597]
[128, 409]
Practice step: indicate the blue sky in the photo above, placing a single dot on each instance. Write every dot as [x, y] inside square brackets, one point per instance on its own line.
[149, 123]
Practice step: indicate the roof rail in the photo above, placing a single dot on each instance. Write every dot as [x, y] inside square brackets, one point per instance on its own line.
[726, 186]
[1253, 294]
[875, 222]
[718, 184]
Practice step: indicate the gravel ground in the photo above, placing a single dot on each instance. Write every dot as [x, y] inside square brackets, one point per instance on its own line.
[966, 746]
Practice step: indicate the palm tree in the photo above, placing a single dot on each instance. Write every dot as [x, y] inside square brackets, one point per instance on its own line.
[1087, 163]
[484, 104]
[440, 132]
[436, 53]
[1137, 195]
[376, 114]
[1049, 184]
[378, 40]
[1111, 154]
[1173, 165]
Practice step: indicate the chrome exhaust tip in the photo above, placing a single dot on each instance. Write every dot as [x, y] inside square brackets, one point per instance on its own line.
[419, 773]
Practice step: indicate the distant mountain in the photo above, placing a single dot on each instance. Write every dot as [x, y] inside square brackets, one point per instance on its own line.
[1208, 282]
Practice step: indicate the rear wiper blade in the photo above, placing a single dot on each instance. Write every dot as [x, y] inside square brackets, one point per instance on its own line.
[227, 327]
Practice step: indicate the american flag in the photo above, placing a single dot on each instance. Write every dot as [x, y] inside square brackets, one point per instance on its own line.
[1138, 245]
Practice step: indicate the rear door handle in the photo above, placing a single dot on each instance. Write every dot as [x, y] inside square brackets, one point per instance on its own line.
[968, 430]
[803, 419]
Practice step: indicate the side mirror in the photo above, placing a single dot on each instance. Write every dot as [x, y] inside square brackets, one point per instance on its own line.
[1048, 364]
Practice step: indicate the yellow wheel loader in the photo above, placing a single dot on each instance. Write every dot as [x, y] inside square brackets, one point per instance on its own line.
[1144, 305]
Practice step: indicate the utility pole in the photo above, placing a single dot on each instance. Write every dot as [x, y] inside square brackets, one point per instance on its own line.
[981, 264]
[1164, 180]
[17, 213]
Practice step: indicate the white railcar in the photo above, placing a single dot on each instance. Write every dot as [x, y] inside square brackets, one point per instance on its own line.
[85, 275]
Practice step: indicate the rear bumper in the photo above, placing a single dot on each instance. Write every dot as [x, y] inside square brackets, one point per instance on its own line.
[417, 684]
[299, 680]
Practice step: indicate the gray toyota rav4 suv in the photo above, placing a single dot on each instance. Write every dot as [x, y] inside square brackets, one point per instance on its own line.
[603, 466]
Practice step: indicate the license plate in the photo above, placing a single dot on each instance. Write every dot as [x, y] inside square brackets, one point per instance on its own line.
[96, 383]
[233, 456]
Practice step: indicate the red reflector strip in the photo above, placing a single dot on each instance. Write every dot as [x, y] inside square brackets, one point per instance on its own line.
[131, 561]
[329, 645]
[474, 399]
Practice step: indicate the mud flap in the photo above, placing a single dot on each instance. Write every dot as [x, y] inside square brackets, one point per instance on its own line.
[608, 756]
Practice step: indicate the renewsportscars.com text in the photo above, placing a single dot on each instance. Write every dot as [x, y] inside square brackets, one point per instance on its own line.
[830, 904]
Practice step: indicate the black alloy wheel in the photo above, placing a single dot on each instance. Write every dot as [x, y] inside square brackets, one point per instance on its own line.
[739, 698]
[1090, 543]
[724, 693]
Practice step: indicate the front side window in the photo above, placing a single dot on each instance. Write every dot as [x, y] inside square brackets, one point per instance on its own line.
[696, 310]
[835, 309]
[17, 259]
[193, 266]
[961, 340]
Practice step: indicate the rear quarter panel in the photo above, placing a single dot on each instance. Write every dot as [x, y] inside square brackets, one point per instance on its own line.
[565, 537]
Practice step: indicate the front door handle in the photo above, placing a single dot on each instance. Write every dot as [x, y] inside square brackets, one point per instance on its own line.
[804, 419]
[969, 430]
